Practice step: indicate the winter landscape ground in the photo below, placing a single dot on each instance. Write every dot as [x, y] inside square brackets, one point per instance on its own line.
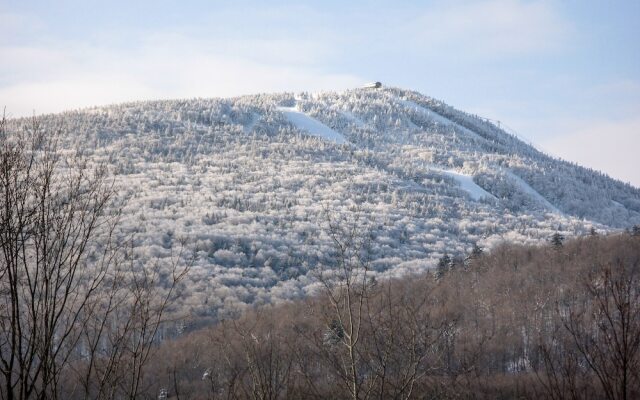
[206, 200]
[369, 243]
[249, 185]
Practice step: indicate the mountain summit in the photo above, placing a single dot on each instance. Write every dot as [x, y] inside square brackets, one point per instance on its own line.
[252, 185]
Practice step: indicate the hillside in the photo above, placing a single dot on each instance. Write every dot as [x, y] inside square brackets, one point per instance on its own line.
[250, 185]
[520, 322]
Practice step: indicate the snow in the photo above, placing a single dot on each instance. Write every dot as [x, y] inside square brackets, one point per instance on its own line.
[359, 123]
[615, 203]
[437, 117]
[217, 189]
[533, 193]
[254, 120]
[311, 125]
[467, 184]
[430, 113]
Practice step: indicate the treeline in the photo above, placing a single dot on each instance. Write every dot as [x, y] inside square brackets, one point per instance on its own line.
[557, 322]
[202, 170]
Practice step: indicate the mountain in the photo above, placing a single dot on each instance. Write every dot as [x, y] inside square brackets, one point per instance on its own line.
[253, 185]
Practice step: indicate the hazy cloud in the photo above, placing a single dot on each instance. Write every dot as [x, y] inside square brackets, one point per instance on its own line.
[16, 27]
[53, 79]
[495, 27]
[609, 146]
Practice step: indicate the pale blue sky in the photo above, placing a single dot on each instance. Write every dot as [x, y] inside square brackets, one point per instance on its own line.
[563, 74]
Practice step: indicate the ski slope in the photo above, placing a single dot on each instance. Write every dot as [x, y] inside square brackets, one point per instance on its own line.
[437, 117]
[533, 193]
[468, 185]
[465, 182]
[311, 125]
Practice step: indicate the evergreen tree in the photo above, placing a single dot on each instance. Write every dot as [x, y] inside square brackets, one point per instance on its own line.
[476, 251]
[334, 334]
[557, 239]
[444, 264]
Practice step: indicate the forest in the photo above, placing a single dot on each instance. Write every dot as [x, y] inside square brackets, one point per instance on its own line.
[241, 194]
[529, 322]
[184, 267]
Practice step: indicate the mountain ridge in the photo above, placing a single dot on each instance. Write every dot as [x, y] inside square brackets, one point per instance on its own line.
[249, 189]
[487, 121]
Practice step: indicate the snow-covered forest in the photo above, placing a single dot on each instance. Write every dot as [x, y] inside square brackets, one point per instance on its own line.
[522, 322]
[249, 185]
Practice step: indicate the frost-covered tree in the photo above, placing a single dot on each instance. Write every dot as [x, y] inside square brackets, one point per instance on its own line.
[77, 315]
[244, 185]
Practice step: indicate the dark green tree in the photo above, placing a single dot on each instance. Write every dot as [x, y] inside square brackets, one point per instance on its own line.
[476, 251]
[444, 264]
[557, 239]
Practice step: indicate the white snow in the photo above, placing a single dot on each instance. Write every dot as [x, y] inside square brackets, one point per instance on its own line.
[467, 184]
[615, 203]
[359, 123]
[254, 120]
[533, 193]
[437, 117]
[311, 125]
[430, 113]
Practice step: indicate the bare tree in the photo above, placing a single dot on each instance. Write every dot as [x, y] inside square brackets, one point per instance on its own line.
[605, 327]
[347, 285]
[402, 337]
[118, 344]
[269, 364]
[77, 320]
[560, 374]
[53, 224]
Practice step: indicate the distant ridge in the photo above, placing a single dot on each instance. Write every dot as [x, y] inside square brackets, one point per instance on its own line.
[247, 182]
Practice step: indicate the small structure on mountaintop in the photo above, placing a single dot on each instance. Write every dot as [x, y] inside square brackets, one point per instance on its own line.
[372, 85]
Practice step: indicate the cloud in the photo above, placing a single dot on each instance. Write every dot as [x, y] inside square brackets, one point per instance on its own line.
[283, 48]
[492, 28]
[72, 75]
[611, 147]
[65, 94]
[15, 27]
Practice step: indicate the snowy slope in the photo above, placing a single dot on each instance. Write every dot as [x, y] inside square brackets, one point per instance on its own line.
[248, 183]
[533, 193]
[312, 126]
[430, 114]
[466, 183]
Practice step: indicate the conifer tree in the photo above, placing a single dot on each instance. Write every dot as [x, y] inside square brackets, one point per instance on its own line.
[557, 239]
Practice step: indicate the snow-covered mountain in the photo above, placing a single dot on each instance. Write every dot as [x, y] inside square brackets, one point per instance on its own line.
[248, 182]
